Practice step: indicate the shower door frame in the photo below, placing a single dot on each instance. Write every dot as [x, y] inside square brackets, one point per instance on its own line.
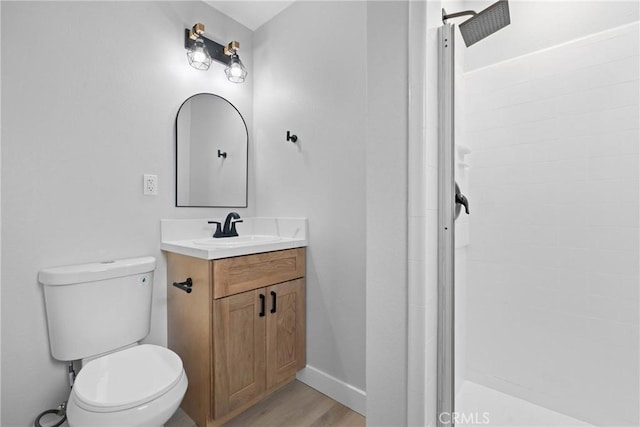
[446, 229]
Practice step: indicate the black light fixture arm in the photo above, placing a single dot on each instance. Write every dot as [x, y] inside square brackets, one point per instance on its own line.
[215, 49]
[446, 16]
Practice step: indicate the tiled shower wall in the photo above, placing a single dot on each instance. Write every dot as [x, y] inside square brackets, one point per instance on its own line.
[553, 258]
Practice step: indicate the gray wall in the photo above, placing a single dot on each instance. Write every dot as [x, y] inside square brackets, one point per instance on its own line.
[0, 226]
[387, 211]
[310, 85]
[344, 93]
[87, 111]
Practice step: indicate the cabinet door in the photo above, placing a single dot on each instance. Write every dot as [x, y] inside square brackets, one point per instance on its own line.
[286, 351]
[239, 350]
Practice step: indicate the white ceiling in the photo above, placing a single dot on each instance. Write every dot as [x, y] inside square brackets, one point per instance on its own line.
[250, 13]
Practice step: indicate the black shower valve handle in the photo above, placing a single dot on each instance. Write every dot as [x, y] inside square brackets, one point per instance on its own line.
[462, 200]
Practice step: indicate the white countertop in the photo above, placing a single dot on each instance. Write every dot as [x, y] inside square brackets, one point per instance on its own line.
[179, 236]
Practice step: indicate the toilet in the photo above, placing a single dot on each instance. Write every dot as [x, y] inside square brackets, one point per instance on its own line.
[97, 313]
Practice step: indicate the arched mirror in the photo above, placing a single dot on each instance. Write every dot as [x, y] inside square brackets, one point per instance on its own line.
[211, 153]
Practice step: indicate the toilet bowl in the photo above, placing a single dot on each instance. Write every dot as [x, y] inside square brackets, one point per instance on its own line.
[138, 386]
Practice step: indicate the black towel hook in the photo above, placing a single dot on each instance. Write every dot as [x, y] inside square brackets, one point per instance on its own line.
[185, 286]
[292, 138]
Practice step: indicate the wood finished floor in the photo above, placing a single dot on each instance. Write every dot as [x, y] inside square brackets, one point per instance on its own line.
[295, 405]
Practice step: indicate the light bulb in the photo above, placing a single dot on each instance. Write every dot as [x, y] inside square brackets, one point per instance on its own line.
[198, 55]
[235, 71]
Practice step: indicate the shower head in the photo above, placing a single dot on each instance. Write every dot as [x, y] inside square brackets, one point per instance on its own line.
[482, 24]
[485, 23]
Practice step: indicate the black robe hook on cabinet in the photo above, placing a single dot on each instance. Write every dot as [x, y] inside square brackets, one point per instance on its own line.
[292, 138]
[222, 154]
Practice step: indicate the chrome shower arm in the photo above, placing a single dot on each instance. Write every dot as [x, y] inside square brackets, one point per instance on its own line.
[446, 16]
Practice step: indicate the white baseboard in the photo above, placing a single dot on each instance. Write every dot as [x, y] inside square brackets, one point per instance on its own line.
[336, 389]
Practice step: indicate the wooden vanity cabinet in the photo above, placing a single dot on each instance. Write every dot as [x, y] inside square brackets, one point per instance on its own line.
[240, 332]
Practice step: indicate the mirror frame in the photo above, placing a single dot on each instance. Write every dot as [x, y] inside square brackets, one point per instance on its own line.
[246, 183]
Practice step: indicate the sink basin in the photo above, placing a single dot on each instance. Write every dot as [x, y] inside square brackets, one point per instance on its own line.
[233, 242]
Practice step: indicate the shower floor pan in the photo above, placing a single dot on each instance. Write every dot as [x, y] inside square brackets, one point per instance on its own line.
[504, 410]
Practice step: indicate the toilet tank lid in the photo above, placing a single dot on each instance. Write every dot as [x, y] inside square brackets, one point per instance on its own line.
[70, 274]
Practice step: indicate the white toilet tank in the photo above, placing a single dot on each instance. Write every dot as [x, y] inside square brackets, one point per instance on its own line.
[99, 307]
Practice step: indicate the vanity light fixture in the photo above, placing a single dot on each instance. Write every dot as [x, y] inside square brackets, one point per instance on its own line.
[201, 50]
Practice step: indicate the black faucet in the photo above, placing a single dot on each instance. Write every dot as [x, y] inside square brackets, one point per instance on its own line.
[229, 229]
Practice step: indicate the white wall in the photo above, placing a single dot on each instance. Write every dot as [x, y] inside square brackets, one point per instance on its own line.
[417, 208]
[89, 101]
[461, 172]
[424, 20]
[312, 81]
[387, 211]
[0, 228]
[553, 293]
[538, 25]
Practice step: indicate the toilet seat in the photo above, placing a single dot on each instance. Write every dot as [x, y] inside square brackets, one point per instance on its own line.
[127, 378]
